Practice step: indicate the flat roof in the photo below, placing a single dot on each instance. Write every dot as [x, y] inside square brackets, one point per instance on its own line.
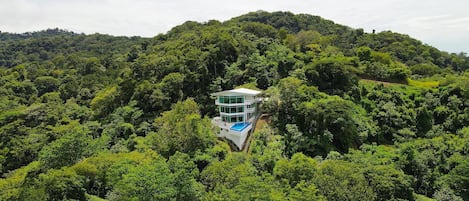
[239, 91]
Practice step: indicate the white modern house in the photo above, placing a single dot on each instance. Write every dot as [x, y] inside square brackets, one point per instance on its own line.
[238, 110]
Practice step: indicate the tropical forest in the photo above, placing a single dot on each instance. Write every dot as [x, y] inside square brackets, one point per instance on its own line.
[347, 114]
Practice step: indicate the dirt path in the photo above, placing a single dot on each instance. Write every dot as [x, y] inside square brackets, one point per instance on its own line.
[380, 82]
[261, 122]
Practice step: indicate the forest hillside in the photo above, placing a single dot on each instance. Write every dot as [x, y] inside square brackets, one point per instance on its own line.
[350, 115]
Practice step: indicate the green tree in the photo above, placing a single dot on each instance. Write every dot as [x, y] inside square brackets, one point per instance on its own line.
[334, 123]
[150, 97]
[389, 183]
[68, 87]
[424, 121]
[332, 75]
[62, 185]
[446, 194]
[425, 69]
[458, 178]
[182, 129]
[266, 149]
[299, 168]
[364, 53]
[145, 182]
[185, 173]
[46, 84]
[172, 85]
[68, 149]
[305, 191]
[104, 102]
[295, 140]
[227, 173]
[260, 29]
[253, 188]
[340, 180]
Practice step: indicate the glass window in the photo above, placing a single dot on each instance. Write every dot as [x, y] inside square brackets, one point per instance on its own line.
[232, 99]
[240, 109]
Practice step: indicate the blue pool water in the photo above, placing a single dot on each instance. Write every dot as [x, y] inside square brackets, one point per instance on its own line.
[240, 126]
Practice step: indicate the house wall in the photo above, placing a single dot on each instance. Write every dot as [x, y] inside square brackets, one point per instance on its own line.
[243, 105]
[238, 138]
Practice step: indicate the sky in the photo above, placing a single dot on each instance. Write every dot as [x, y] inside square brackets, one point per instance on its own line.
[442, 24]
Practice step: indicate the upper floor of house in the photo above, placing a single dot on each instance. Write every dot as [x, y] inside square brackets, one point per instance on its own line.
[237, 97]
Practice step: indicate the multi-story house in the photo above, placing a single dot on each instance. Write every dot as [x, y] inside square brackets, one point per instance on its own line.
[238, 110]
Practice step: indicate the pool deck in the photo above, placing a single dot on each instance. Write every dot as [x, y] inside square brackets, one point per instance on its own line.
[239, 127]
[235, 132]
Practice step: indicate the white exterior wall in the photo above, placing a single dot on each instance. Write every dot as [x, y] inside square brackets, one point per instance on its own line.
[238, 138]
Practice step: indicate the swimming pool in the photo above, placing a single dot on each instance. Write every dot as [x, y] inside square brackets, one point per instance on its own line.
[240, 126]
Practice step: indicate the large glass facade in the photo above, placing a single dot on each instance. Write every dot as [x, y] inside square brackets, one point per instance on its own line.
[231, 99]
[228, 109]
[232, 119]
[232, 113]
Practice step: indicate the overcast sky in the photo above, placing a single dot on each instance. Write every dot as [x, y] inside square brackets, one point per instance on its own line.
[441, 23]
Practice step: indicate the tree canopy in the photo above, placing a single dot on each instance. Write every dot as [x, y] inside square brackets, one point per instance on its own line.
[347, 115]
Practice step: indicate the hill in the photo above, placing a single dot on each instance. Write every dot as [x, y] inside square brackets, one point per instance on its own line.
[91, 117]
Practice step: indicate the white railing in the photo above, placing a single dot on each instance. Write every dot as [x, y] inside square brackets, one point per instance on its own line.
[246, 102]
[250, 110]
[218, 122]
[232, 114]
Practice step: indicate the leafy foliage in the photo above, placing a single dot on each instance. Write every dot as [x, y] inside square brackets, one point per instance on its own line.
[347, 115]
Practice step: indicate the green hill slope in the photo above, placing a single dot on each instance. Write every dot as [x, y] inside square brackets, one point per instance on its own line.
[91, 117]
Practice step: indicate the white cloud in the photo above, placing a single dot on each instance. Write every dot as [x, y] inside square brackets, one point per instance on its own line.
[443, 24]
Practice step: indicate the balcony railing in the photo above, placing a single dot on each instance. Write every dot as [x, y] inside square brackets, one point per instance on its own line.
[224, 125]
[250, 110]
[246, 102]
[232, 114]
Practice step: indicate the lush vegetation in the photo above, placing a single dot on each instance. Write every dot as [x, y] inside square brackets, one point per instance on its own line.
[350, 115]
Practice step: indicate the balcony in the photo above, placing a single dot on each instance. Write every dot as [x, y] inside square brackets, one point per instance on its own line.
[246, 102]
[232, 114]
[250, 110]
[218, 122]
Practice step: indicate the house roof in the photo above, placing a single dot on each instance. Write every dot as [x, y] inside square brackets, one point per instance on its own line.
[239, 91]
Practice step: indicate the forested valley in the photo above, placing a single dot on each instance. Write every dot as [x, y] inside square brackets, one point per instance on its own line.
[350, 115]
